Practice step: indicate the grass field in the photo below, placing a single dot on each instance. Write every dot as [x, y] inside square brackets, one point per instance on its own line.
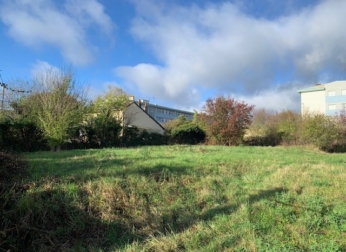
[184, 198]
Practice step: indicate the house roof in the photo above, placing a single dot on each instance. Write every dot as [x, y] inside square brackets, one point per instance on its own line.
[318, 87]
[133, 102]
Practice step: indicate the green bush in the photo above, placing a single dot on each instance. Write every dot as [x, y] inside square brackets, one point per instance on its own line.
[188, 134]
[146, 138]
[130, 137]
[288, 124]
[20, 135]
[102, 131]
[323, 132]
[318, 130]
[133, 137]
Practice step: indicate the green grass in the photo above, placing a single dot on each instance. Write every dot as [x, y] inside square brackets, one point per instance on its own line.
[183, 198]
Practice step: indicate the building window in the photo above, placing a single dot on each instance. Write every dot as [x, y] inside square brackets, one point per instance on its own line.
[343, 92]
[331, 107]
[162, 120]
[331, 93]
[344, 106]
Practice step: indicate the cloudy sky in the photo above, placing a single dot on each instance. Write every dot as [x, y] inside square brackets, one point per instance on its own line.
[179, 53]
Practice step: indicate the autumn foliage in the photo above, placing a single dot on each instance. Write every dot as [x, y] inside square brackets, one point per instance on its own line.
[226, 120]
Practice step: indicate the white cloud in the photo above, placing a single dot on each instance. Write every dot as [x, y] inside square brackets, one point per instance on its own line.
[218, 47]
[89, 12]
[277, 99]
[99, 89]
[42, 66]
[41, 22]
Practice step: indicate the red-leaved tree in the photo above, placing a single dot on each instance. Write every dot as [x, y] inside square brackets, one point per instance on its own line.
[226, 120]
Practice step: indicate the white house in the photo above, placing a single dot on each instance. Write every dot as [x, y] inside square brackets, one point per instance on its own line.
[328, 99]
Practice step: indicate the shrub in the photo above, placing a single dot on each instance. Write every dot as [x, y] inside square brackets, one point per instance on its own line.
[188, 134]
[146, 138]
[133, 137]
[260, 122]
[21, 135]
[266, 140]
[103, 133]
[339, 143]
[288, 124]
[226, 120]
[56, 104]
[270, 128]
[319, 130]
[172, 124]
[130, 136]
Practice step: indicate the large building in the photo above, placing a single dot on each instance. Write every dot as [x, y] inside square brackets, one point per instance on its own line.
[328, 99]
[149, 117]
[163, 114]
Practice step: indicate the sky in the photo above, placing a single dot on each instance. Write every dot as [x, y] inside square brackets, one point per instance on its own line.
[179, 53]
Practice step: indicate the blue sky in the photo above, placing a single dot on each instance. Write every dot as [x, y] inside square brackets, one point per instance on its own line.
[177, 52]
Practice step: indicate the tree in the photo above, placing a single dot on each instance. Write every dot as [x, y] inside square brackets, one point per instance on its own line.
[288, 124]
[260, 122]
[183, 131]
[172, 124]
[226, 120]
[57, 104]
[104, 119]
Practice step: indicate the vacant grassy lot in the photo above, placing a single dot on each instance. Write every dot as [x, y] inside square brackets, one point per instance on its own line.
[182, 198]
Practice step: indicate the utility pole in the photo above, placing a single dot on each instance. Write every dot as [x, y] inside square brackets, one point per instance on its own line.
[4, 87]
[3, 97]
[3, 94]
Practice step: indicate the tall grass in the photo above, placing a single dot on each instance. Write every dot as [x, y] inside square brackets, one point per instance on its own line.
[181, 198]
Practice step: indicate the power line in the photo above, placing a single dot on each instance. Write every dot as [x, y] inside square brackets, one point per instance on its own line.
[3, 93]
[6, 87]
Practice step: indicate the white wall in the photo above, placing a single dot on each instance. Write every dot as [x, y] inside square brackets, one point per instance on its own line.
[337, 86]
[313, 102]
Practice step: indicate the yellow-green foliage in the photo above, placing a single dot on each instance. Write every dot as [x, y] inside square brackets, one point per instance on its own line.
[319, 130]
[56, 104]
[289, 128]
